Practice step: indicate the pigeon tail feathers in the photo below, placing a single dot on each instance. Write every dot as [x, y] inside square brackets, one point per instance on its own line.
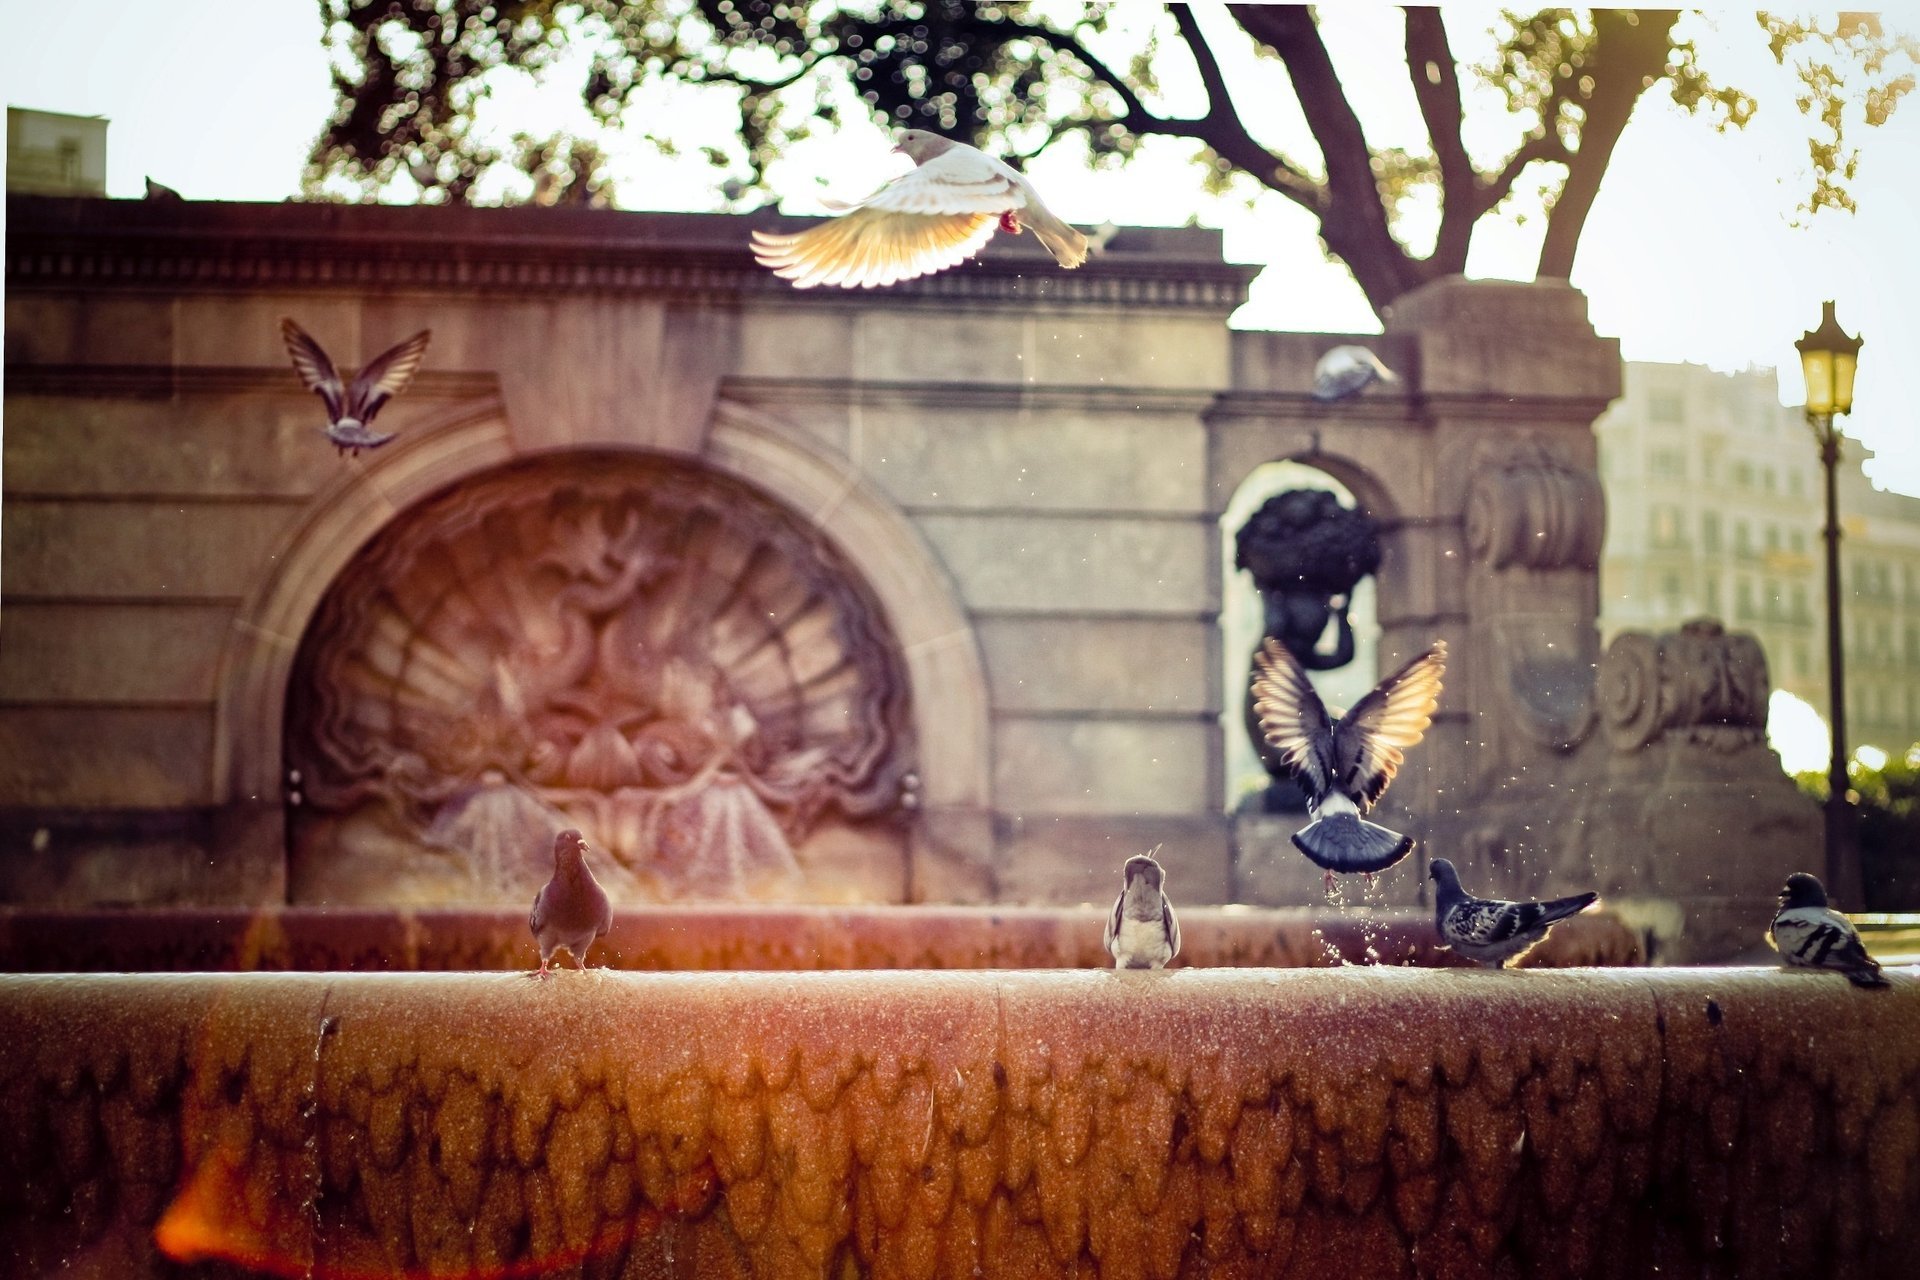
[1349, 844]
[1561, 908]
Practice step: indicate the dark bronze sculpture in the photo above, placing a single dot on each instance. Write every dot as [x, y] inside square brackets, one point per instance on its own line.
[1306, 553]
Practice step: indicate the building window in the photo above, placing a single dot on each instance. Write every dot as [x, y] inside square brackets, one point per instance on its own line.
[1743, 600]
[1796, 485]
[1710, 532]
[1671, 588]
[1711, 586]
[1800, 613]
[1767, 479]
[1668, 464]
[1665, 406]
[1798, 541]
[1742, 539]
[1743, 475]
[1773, 538]
[1801, 666]
[1665, 527]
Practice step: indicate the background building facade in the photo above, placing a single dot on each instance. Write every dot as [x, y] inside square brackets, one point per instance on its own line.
[1715, 506]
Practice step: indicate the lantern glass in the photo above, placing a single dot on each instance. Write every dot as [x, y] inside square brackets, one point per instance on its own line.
[1818, 367]
[1844, 363]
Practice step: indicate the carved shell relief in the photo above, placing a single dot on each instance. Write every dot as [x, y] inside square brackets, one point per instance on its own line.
[1534, 510]
[643, 649]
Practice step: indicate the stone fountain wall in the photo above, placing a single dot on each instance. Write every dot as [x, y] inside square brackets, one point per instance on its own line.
[1379, 1123]
[955, 634]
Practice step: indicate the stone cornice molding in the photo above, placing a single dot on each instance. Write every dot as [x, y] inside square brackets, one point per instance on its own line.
[214, 247]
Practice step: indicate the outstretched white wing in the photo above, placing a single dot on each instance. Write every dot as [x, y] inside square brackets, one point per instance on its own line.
[934, 217]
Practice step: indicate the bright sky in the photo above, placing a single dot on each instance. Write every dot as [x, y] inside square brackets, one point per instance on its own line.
[1691, 253]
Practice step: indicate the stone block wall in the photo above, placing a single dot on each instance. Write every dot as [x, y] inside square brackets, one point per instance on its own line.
[1024, 470]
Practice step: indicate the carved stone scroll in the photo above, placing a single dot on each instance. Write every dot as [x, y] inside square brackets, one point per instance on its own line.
[1701, 679]
[1532, 510]
[636, 647]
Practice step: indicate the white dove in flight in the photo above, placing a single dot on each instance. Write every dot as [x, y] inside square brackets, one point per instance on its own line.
[936, 216]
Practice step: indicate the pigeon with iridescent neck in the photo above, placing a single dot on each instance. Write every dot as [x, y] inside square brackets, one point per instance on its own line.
[572, 910]
[351, 408]
[936, 216]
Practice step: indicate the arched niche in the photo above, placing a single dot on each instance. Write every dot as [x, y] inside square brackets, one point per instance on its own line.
[630, 644]
[1241, 613]
[947, 704]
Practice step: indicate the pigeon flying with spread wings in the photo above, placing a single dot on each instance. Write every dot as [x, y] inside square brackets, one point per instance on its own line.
[1347, 371]
[1490, 931]
[936, 216]
[1344, 762]
[1808, 932]
[572, 910]
[350, 409]
[1142, 932]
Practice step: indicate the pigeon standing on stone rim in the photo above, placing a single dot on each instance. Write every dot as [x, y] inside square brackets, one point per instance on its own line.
[1810, 934]
[1488, 930]
[572, 909]
[1347, 371]
[1344, 762]
[936, 216]
[351, 408]
[1142, 932]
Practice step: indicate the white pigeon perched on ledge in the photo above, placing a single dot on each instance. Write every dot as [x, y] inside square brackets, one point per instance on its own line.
[1344, 763]
[936, 216]
[1347, 371]
[1489, 930]
[1810, 934]
[1142, 932]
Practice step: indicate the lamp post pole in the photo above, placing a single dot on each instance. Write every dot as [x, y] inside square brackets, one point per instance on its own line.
[1842, 873]
[1829, 358]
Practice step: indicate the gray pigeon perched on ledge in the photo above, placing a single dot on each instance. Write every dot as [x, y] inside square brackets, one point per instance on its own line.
[1488, 930]
[1347, 371]
[350, 410]
[1343, 763]
[1810, 934]
[1142, 932]
[572, 910]
[936, 216]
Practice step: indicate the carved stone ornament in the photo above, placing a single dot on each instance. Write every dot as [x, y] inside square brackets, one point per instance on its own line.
[1535, 511]
[1702, 682]
[639, 648]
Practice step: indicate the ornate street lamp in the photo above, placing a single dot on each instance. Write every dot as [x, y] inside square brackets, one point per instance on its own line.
[1828, 357]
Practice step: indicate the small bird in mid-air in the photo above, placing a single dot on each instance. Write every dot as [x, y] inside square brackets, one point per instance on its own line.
[1344, 762]
[936, 216]
[350, 409]
[1347, 371]
[572, 909]
[1142, 932]
[1488, 930]
[1809, 933]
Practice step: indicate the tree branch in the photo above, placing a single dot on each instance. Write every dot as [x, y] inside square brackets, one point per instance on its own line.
[1354, 217]
[1630, 54]
[1436, 87]
[1221, 127]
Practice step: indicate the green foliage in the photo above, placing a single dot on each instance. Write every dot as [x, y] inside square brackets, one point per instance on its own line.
[1888, 802]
